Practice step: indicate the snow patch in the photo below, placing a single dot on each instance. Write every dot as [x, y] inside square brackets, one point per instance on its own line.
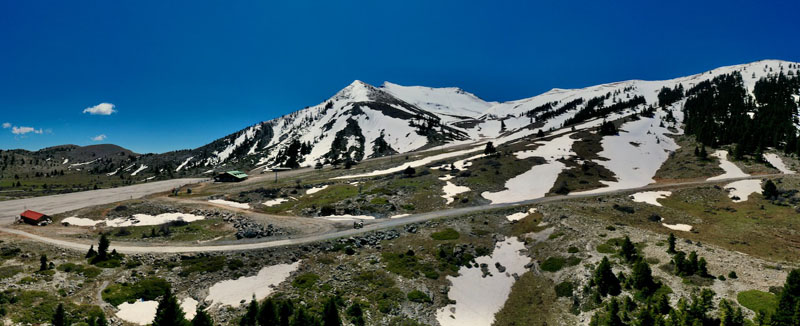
[184, 163]
[451, 190]
[520, 215]
[537, 181]
[740, 190]
[233, 292]
[650, 197]
[273, 202]
[678, 227]
[148, 220]
[230, 203]
[315, 190]
[80, 221]
[142, 312]
[731, 170]
[347, 217]
[479, 298]
[778, 163]
[140, 169]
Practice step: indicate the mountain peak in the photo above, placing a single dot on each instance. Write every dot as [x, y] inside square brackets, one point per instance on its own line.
[357, 91]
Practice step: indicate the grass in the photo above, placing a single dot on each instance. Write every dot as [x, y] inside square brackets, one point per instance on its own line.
[202, 230]
[446, 234]
[564, 289]
[147, 289]
[556, 263]
[10, 271]
[683, 164]
[419, 297]
[757, 300]
[532, 301]
[528, 224]
[201, 265]
[408, 265]
[85, 270]
[305, 281]
[33, 307]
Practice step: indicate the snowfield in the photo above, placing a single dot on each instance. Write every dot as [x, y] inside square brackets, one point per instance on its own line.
[731, 170]
[230, 203]
[478, 298]
[414, 164]
[140, 169]
[635, 154]
[740, 190]
[537, 181]
[778, 163]
[650, 197]
[233, 292]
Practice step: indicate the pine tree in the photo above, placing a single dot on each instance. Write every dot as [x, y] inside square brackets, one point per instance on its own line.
[612, 314]
[168, 313]
[202, 318]
[671, 242]
[730, 315]
[330, 314]
[607, 283]
[301, 318]
[91, 253]
[628, 250]
[60, 316]
[250, 317]
[267, 315]
[642, 278]
[356, 314]
[43, 263]
[789, 301]
[285, 312]
[645, 317]
[102, 248]
[489, 149]
[769, 190]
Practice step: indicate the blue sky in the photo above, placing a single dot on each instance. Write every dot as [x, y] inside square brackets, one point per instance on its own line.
[183, 73]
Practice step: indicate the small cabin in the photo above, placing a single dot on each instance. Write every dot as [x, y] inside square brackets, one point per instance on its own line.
[231, 176]
[35, 218]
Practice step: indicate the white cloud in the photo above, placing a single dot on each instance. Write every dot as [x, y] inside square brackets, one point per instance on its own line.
[100, 137]
[6, 125]
[100, 109]
[24, 130]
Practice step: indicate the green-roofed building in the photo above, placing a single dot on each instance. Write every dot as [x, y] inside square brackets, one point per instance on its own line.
[230, 176]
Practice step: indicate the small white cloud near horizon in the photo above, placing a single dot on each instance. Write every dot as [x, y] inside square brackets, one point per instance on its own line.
[6, 125]
[100, 109]
[100, 137]
[24, 130]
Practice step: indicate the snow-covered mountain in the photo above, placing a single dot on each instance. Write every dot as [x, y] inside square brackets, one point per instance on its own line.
[362, 121]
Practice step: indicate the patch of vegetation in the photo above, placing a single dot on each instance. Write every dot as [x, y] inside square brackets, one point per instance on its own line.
[553, 264]
[201, 265]
[408, 265]
[85, 270]
[756, 300]
[446, 234]
[148, 288]
[9, 271]
[419, 297]
[564, 289]
[305, 281]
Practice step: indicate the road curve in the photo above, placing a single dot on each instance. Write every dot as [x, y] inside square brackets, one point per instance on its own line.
[50, 205]
[375, 225]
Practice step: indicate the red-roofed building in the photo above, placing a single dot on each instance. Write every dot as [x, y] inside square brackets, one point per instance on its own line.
[34, 218]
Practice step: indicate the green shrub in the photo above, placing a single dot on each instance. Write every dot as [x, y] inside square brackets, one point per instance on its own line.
[757, 300]
[564, 289]
[572, 250]
[553, 264]
[408, 265]
[418, 296]
[147, 289]
[446, 234]
[201, 265]
[379, 201]
[605, 248]
[305, 281]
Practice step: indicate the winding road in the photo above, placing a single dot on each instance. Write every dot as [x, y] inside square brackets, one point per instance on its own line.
[371, 226]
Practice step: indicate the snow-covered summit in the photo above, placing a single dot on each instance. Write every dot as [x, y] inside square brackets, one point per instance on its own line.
[451, 102]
